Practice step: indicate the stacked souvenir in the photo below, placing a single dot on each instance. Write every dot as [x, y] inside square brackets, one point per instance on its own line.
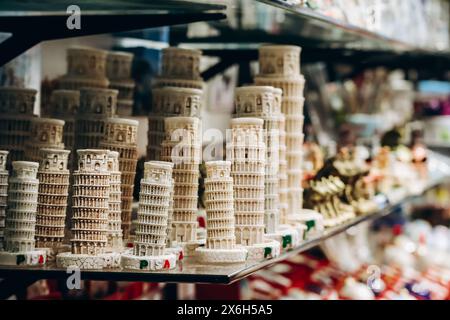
[115, 242]
[170, 102]
[280, 68]
[121, 135]
[53, 178]
[19, 243]
[118, 71]
[3, 193]
[182, 147]
[96, 106]
[259, 101]
[151, 227]
[90, 207]
[45, 133]
[220, 240]
[86, 67]
[246, 151]
[16, 113]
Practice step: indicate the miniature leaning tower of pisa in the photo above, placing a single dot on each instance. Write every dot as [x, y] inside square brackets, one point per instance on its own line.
[16, 112]
[115, 200]
[220, 240]
[246, 150]
[280, 68]
[20, 223]
[53, 178]
[118, 71]
[45, 133]
[96, 106]
[170, 102]
[182, 147]
[121, 135]
[151, 230]
[3, 194]
[90, 208]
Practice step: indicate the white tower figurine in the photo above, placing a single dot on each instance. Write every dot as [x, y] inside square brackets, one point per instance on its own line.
[246, 150]
[45, 133]
[16, 112]
[3, 193]
[182, 147]
[90, 207]
[20, 224]
[121, 135]
[115, 242]
[151, 230]
[220, 240]
[53, 194]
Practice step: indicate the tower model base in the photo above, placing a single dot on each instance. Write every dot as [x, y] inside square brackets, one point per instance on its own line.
[29, 258]
[190, 247]
[177, 251]
[149, 263]
[288, 236]
[312, 222]
[87, 262]
[52, 252]
[205, 255]
[262, 251]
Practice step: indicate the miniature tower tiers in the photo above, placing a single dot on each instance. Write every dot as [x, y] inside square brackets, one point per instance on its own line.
[115, 242]
[45, 133]
[247, 152]
[221, 241]
[90, 207]
[151, 231]
[3, 193]
[21, 217]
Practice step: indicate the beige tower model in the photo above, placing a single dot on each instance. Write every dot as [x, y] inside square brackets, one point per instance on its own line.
[90, 209]
[151, 230]
[96, 106]
[20, 223]
[121, 135]
[220, 240]
[118, 71]
[280, 68]
[53, 178]
[170, 102]
[16, 112]
[182, 147]
[45, 133]
[246, 150]
[115, 242]
[86, 67]
[3, 193]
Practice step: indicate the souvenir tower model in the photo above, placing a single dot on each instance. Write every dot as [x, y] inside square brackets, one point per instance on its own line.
[45, 133]
[96, 106]
[16, 112]
[280, 68]
[19, 242]
[3, 193]
[118, 71]
[182, 147]
[53, 178]
[151, 231]
[90, 209]
[170, 102]
[259, 101]
[246, 150]
[121, 135]
[86, 67]
[115, 242]
[220, 240]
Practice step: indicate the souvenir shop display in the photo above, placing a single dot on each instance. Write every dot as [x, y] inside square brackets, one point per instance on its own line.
[120, 135]
[20, 223]
[16, 113]
[151, 226]
[90, 212]
[44, 133]
[246, 150]
[53, 176]
[4, 174]
[118, 72]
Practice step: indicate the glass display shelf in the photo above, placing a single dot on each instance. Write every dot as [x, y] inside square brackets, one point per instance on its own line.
[190, 271]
